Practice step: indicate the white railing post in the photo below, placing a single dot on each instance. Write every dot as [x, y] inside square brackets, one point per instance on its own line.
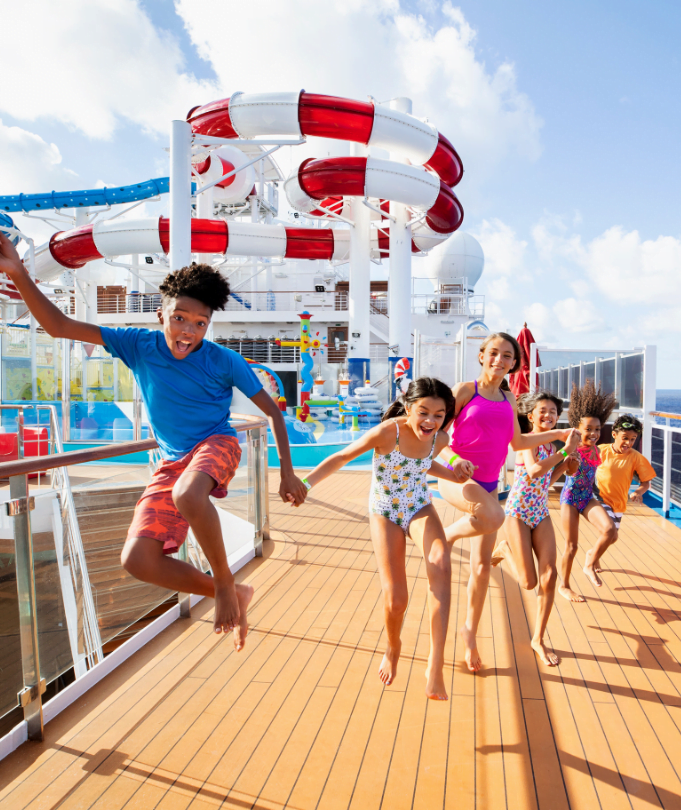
[533, 368]
[649, 398]
[667, 468]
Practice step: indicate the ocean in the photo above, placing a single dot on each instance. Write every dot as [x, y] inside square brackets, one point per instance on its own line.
[669, 400]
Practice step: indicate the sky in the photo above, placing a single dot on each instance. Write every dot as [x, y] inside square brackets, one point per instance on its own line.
[566, 117]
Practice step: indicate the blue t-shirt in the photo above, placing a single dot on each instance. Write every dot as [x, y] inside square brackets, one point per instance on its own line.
[187, 400]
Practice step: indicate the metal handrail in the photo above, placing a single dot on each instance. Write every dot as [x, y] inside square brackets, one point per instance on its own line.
[44, 463]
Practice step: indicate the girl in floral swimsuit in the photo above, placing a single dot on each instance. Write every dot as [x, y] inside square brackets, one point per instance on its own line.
[589, 411]
[528, 530]
[404, 446]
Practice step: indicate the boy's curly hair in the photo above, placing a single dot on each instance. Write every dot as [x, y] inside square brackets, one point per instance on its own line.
[627, 422]
[199, 281]
[589, 402]
[528, 402]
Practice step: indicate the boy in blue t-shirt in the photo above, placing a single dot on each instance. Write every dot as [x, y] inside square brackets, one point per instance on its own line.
[186, 384]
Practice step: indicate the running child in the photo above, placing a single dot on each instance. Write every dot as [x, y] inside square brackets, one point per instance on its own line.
[619, 464]
[186, 384]
[589, 411]
[484, 426]
[528, 527]
[405, 445]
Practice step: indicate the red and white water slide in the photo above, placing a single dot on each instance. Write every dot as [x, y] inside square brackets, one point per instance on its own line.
[425, 184]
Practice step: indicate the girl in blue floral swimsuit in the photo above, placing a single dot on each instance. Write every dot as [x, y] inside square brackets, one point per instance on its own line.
[528, 530]
[589, 410]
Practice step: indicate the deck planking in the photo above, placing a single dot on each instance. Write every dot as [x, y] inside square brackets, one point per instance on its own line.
[300, 719]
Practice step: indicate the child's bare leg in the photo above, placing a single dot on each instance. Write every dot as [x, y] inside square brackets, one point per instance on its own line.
[570, 519]
[390, 548]
[544, 544]
[478, 585]
[427, 532]
[143, 558]
[607, 535]
[482, 512]
[515, 548]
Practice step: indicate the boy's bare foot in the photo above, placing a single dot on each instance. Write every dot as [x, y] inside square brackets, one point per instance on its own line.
[499, 552]
[435, 683]
[472, 656]
[593, 576]
[546, 656]
[226, 608]
[244, 593]
[597, 568]
[570, 595]
[388, 669]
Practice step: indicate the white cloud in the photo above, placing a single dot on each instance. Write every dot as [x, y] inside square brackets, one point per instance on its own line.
[88, 65]
[541, 321]
[504, 252]
[629, 269]
[29, 164]
[578, 315]
[362, 46]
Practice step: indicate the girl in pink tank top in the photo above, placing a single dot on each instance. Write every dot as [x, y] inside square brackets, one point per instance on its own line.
[482, 433]
[485, 424]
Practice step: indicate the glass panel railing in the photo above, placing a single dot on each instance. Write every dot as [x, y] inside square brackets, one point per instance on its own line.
[621, 373]
[80, 599]
[631, 388]
[11, 673]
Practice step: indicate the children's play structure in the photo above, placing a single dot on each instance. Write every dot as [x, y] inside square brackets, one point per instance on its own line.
[376, 207]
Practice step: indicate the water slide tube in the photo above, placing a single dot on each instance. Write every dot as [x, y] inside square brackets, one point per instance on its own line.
[426, 184]
[88, 198]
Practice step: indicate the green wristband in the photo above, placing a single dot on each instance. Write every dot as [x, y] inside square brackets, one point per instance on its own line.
[307, 484]
[563, 453]
[455, 457]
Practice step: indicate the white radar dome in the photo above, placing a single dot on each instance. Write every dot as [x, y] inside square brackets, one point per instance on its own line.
[458, 257]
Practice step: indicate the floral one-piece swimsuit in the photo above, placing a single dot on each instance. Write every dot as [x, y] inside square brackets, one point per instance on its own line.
[528, 498]
[399, 487]
[578, 489]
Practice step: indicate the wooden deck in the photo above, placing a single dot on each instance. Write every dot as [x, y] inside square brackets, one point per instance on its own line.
[300, 719]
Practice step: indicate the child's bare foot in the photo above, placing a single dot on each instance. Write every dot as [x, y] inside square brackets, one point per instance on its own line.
[472, 656]
[570, 595]
[499, 552]
[593, 576]
[388, 669]
[597, 568]
[226, 608]
[435, 683]
[546, 656]
[244, 593]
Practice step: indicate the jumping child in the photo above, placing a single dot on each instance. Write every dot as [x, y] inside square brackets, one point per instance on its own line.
[619, 464]
[405, 445]
[484, 426]
[528, 525]
[589, 411]
[186, 384]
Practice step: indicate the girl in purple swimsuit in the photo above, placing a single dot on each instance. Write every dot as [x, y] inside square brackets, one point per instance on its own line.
[589, 411]
[484, 426]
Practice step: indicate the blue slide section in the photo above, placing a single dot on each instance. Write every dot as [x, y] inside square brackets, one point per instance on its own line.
[88, 198]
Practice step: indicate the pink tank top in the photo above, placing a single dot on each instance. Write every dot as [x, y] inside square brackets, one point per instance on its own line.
[482, 433]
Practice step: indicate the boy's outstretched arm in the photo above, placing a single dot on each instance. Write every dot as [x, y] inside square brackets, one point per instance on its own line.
[290, 483]
[53, 321]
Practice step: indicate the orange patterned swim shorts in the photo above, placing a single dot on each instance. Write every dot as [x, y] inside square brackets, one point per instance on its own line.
[157, 516]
